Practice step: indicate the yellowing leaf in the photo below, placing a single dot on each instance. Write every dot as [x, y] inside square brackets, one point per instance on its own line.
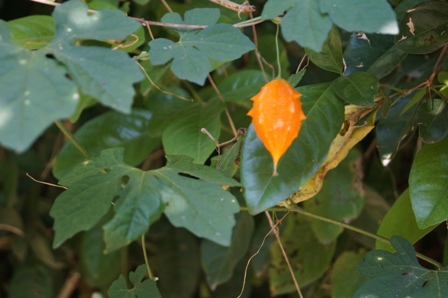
[347, 138]
[277, 116]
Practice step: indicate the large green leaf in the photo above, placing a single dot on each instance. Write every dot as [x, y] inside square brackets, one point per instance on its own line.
[325, 114]
[391, 130]
[111, 129]
[184, 137]
[354, 15]
[400, 221]
[399, 274]
[32, 32]
[330, 56]
[219, 262]
[306, 25]
[308, 257]
[428, 184]
[374, 53]
[344, 277]
[104, 74]
[241, 86]
[341, 198]
[422, 29]
[192, 53]
[359, 88]
[35, 93]
[140, 197]
[176, 260]
[141, 288]
[432, 119]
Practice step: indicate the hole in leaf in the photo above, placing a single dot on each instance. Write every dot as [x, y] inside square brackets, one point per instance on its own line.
[124, 181]
[50, 56]
[188, 176]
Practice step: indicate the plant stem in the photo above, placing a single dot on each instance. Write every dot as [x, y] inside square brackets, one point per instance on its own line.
[146, 258]
[348, 227]
[71, 137]
[279, 66]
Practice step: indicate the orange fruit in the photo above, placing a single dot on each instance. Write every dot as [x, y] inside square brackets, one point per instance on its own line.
[277, 116]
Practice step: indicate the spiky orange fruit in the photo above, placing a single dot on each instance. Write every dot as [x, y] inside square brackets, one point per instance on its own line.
[277, 116]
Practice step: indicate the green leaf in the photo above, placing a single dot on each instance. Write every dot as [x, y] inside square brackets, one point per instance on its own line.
[219, 262]
[227, 162]
[345, 280]
[400, 221]
[415, 99]
[189, 192]
[353, 15]
[432, 119]
[330, 56]
[176, 260]
[399, 274]
[405, 5]
[109, 130]
[185, 129]
[341, 198]
[374, 53]
[306, 14]
[32, 32]
[97, 268]
[308, 257]
[274, 8]
[192, 53]
[137, 202]
[31, 279]
[391, 130]
[325, 114]
[241, 86]
[294, 79]
[102, 73]
[37, 90]
[428, 182]
[141, 288]
[201, 206]
[359, 88]
[422, 29]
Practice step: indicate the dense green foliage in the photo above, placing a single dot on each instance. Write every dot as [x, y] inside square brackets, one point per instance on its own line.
[129, 166]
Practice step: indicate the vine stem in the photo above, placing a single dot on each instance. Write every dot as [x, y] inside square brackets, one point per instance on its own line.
[351, 228]
[248, 23]
[146, 258]
[285, 256]
[71, 137]
[279, 66]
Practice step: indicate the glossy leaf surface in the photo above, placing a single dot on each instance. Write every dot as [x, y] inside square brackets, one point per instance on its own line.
[428, 184]
[330, 56]
[432, 118]
[400, 220]
[325, 112]
[359, 88]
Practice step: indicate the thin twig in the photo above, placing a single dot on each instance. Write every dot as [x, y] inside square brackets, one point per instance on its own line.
[146, 259]
[254, 21]
[70, 285]
[46, 183]
[257, 252]
[12, 229]
[166, 5]
[71, 137]
[285, 256]
[229, 118]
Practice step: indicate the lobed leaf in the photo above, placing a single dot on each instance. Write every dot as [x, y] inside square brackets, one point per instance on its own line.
[37, 89]
[191, 55]
[141, 288]
[399, 274]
